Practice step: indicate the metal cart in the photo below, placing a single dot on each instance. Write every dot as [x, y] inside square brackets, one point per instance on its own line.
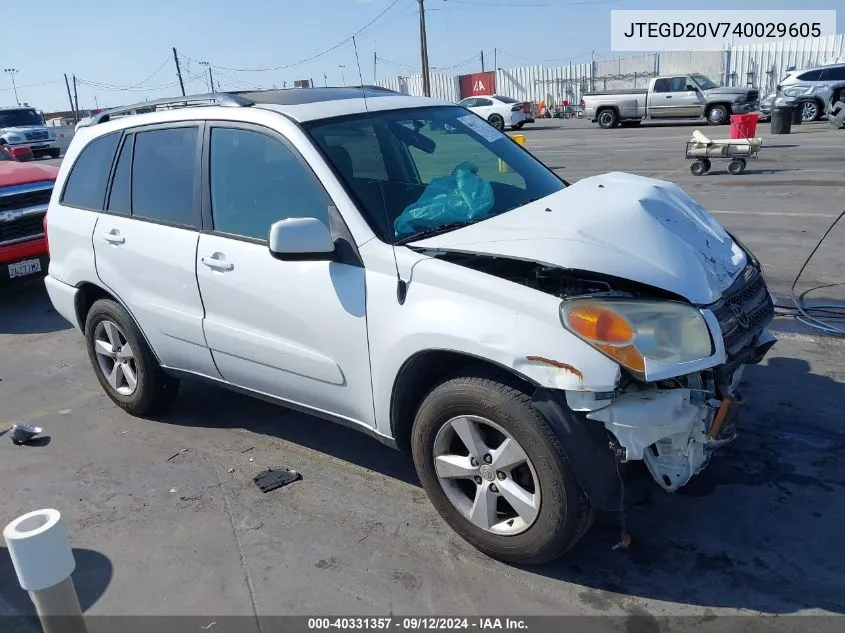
[702, 150]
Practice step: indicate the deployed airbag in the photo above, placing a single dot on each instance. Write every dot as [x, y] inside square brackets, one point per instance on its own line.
[462, 196]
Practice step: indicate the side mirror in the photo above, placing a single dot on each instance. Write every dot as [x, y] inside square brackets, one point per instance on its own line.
[300, 239]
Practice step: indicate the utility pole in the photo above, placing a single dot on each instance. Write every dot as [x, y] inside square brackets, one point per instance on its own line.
[426, 82]
[482, 61]
[12, 72]
[75, 95]
[210, 78]
[178, 71]
[70, 98]
[495, 60]
[342, 75]
[375, 65]
[325, 80]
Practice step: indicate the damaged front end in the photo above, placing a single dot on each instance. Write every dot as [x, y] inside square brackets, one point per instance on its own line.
[670, 409]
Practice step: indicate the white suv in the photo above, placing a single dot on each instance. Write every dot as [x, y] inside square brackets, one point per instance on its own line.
[398, 265]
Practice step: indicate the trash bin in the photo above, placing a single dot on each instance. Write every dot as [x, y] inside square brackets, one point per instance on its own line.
[782, 119]
[744, 125]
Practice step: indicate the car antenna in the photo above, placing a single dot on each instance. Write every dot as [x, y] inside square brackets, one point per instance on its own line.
[401, 284]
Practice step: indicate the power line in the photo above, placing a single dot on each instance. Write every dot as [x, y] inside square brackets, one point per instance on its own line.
[318, 55]
[536, 59]
[508, 5]
[43, 83]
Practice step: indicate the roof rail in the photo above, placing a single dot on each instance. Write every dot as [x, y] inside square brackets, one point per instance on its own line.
[169, 103]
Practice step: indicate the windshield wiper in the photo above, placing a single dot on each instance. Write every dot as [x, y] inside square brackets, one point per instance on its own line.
[437, 230]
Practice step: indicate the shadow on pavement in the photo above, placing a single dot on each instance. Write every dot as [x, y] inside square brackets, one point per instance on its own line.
[91, 577]
[759, 529]
[27, 310]
[204, 405]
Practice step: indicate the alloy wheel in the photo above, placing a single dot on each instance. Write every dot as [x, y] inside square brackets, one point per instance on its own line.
[115, 357]
[487, 475]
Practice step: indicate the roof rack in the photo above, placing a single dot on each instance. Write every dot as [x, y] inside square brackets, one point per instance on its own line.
[216, 98]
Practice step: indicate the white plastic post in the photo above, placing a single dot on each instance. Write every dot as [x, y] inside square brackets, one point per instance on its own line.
[43, 561]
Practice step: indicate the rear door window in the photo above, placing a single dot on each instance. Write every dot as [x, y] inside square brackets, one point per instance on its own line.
[836, 74]
[164, 170]
[86, 184]
[119, 197]
[661, 85]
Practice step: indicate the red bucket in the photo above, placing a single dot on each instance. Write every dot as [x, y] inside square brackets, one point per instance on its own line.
[744, 125]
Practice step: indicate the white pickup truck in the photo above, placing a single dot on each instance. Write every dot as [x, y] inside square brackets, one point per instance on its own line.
[670, 97]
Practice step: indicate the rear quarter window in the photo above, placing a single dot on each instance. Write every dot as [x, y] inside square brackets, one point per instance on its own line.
[86, 184]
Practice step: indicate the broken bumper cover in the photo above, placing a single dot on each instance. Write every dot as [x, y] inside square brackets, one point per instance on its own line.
[675, 431]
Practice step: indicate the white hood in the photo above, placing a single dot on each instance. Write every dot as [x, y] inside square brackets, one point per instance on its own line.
[618, 224]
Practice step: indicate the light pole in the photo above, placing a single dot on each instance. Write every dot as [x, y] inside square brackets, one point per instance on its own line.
[12, 72]
[342, 75]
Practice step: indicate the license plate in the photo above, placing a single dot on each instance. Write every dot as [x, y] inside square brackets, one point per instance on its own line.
[41, 146]
[24, 268]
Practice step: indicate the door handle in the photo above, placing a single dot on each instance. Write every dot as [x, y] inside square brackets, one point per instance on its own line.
[668, 96]
[217, 263]
[114, 237]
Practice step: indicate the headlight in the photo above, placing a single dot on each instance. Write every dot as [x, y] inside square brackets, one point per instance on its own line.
[797, 91]
[633, 331]
[51, 136]
[15, 138]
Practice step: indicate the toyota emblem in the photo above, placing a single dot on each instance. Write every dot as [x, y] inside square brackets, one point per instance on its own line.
[740, 315]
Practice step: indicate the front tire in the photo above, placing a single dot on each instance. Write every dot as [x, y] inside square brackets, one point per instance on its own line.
[811, 111]
[497, 121]
[495, 471]
[54, 153]
[123, 362]
[717, 115]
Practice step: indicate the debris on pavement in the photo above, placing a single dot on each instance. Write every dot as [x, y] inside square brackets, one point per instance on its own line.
[23, 433]
[247, 450]
[271, 479]
[177, 454]
[231, 470]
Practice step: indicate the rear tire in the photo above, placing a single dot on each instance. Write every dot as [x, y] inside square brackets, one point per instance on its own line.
[54, 153]
[558, 513]
[519, 125]
[608, 119]
[698, 168]
[496, 121]
[128, 372]
[736, 166]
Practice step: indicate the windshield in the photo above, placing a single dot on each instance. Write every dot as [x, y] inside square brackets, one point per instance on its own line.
[419, 169]
[705, 83]
[18, 118]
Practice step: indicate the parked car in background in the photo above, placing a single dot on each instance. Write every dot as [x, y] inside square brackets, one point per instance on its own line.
[25, 126]
[498, 110]
[25, 191]
[369, 261]
[670, 97]
[19, 153]
[804, 85]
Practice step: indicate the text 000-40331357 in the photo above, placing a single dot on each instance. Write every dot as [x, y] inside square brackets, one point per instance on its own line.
[687, 30]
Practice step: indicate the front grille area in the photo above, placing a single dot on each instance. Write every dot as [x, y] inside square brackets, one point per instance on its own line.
[36, 136]
[25, 199]
[22, 228]
[744, 311]
[22, 211]
[753, 95]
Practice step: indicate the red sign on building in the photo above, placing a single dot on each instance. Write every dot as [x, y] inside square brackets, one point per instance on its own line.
[477, 84]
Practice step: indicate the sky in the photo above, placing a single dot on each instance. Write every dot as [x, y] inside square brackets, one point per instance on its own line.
[122, 52]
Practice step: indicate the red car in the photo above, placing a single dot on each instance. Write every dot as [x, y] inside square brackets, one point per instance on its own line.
[25, 190]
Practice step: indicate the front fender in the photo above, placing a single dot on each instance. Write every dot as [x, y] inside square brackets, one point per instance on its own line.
[450, 307]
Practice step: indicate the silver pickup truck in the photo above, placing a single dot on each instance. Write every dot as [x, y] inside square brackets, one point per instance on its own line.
[670, 97]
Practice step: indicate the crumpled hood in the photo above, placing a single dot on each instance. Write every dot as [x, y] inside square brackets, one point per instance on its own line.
[617, 224]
